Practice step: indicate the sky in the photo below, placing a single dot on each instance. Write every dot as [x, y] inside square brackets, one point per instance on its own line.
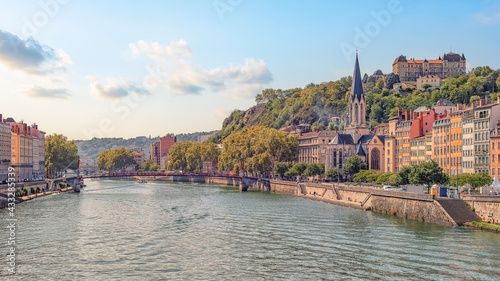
[127, 68]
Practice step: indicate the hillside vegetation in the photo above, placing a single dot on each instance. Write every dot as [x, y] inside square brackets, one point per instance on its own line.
[90, 149]
[314, 105]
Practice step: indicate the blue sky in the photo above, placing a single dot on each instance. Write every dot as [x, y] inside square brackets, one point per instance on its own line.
[130, 68]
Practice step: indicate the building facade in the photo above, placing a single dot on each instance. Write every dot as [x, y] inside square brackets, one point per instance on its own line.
[441, 143]
[468, 141]
[432, 80]
[5, 149]
[313, 146]
[449, 65]
[486, 117]
[160, 150]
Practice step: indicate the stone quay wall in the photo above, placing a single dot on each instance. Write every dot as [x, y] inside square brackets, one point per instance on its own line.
[487, 207]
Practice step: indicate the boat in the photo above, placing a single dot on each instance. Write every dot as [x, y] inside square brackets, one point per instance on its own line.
[141, 181]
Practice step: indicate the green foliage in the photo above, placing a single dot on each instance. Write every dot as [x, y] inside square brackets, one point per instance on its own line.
[362, 176]
[332, 173]
[391, 79]
[428, 173]
[314, 104]
[484, 225]
[149, 165]
[115, 159]
[380, 84]
[189, 156]
[60, 154]
[259, 147]
[475, 180]
[314, 169]
[426, 86]
[403, 177]
[384, 178]
[474, 98]
[354, 164]
[395, 179]
[90, 149]
[281, 168]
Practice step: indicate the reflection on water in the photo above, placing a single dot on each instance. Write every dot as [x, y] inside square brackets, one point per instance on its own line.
[120, 230]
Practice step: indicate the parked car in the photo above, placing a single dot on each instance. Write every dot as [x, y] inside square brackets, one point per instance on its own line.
[387, 187]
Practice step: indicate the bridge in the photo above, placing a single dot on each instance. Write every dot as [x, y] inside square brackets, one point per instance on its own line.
[218, 178]
[155, 174]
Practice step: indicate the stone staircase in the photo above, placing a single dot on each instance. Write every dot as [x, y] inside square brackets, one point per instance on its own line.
[458, 210]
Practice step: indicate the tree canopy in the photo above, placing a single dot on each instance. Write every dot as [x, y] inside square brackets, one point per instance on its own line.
[257, 148]
[60, 154]
[189, 156]
[115, 159]
[354, 164]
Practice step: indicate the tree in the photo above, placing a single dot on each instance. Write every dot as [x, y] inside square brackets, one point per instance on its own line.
[474, 99]
[281, 168]
[177, 158]
[149, 165]
[380, 83]
[480, 179]
[257, 148]
[354, 164]
[426, 86]
[404, 176]
[428, 173]
[333, 172]
[498, 83]
[115, 159]
[60, 154]
[392, 79]
[313, 169]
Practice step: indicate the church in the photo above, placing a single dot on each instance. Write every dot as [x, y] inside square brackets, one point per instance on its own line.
[356, 138]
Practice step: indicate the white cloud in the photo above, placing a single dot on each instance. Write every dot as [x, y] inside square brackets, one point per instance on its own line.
[30, 56]
[180, 76]
[157, 51]
[114, 88]
[38, 92]
[484, 18]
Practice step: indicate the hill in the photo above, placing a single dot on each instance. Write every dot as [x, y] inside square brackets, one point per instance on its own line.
[313, 106]
[90, 149]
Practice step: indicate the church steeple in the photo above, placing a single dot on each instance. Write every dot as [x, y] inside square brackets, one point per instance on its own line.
[357, 101]
[357, 85]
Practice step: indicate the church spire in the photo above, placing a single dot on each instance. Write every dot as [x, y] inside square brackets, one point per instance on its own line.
[357, 85]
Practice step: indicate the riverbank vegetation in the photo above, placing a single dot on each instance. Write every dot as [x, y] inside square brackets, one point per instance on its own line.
[190, 156]
[115, 159]
[484, 225]
[60, 154]
[427, 173]
[255, 150]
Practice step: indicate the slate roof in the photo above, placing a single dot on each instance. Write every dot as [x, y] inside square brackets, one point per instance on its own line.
[361, 151]
[365, 139]
[342, 139]
[357, 85]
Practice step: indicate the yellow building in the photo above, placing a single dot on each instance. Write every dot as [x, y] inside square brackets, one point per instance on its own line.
[456, 136]
[441, 143]
[418, 150]
[390, 154]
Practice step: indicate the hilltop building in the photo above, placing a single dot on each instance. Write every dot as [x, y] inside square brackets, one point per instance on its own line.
[449, 65]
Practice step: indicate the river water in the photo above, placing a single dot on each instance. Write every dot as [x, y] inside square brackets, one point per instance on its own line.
[119, 230]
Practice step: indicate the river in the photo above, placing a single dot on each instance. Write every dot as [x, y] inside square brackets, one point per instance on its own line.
[122, 230]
